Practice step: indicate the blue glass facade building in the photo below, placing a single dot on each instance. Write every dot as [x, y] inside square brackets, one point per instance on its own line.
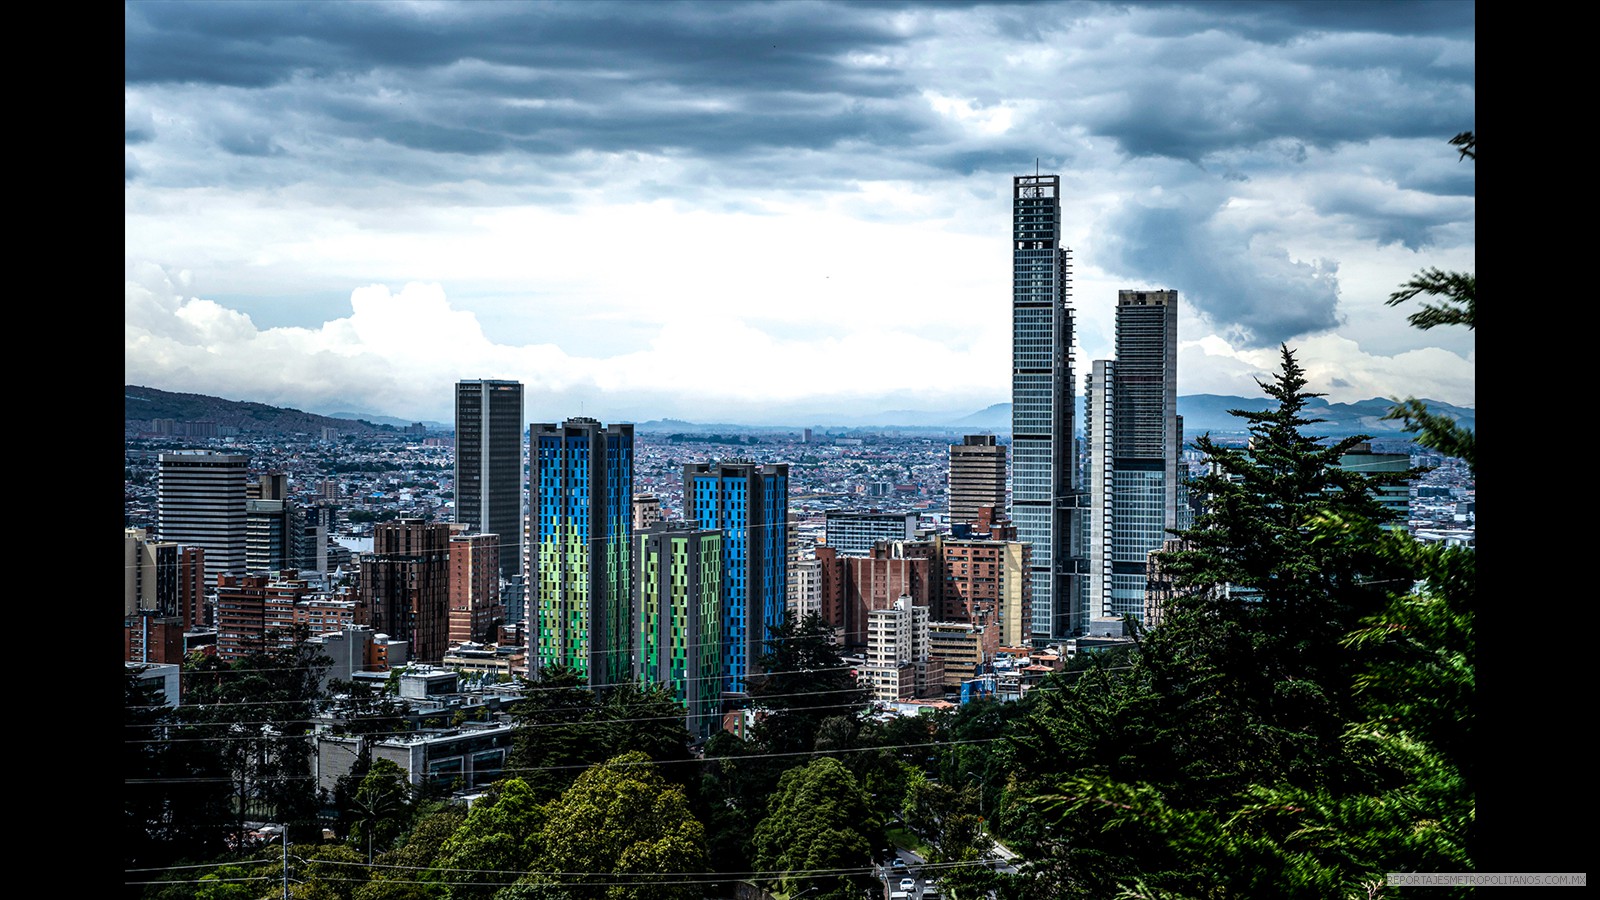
[749, 504]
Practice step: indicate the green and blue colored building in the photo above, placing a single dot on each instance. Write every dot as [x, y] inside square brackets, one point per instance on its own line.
[580, 531]
[677, 576]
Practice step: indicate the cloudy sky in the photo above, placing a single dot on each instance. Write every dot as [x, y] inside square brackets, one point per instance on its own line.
[777, 212]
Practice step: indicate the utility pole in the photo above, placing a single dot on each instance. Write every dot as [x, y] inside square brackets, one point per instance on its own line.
[283, 835]
[981, 784]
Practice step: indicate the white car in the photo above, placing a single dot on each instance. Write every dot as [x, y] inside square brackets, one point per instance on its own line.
[908, 884]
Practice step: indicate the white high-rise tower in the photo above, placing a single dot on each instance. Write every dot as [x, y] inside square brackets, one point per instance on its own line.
[200, 502]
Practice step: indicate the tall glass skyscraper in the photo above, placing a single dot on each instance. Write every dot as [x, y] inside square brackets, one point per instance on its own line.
[1135, 440]
[1043, 496]
[749, 503]
[489, 465]
[405, 584]
[581, 526]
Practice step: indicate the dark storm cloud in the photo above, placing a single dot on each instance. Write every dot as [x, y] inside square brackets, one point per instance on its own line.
[697, 45]
[252, 45]
[718, 81]
[241, 143]
[138, 127]
[1456, 181]
[1252, 291]
[1287, 19]
[707, 80]
[1214, 96]
[1384, 221]
[1254, 127]
[801, 95]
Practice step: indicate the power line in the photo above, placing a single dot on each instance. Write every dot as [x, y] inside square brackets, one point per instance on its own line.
[643, 878]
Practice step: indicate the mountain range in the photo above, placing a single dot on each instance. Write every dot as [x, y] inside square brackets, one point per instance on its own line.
[1202, 413]
[142, 404]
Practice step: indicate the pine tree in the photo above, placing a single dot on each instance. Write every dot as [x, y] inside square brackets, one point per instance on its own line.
[803, 681]
[1252, 537]
[1187, 771]
[1455, 303]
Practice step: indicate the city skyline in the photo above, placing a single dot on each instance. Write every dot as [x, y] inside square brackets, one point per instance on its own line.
[764, 212]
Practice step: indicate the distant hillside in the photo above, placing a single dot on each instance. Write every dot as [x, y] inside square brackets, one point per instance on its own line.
[392, 420]
[141, 404]
[994, 417]
[1209, 413]
[1204, 413]
[1201, 413]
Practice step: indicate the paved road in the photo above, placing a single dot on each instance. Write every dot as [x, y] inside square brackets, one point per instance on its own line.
[1005, 862]
[892, 876]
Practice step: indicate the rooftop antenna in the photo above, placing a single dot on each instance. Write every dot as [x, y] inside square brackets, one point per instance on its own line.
[1036, 167]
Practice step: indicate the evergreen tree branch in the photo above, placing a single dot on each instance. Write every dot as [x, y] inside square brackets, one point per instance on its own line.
[1437, 431]
[1459, 291]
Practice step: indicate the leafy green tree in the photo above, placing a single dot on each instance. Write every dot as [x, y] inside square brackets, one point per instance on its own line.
[803, 681]
[1294, 728]
[1252, 534]
[620, 832]
[819, 832]
[367, 710]
[1457, 293]
[648, 719]
[395, 888]
[1403, 803]
[735, 780]
[554, 738]
[383, 805]
[968, 753]
[433, 824]
[906, 742]
[563, 727]
[1112, 723]
[175, 789]
[1271, 598]
[327, 872]
[144, 808]
[257, 713]
[807, 701]
[947, 818]
[495, 844]
[232, 882]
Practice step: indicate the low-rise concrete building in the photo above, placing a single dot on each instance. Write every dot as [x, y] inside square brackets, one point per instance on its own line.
[457, 759]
